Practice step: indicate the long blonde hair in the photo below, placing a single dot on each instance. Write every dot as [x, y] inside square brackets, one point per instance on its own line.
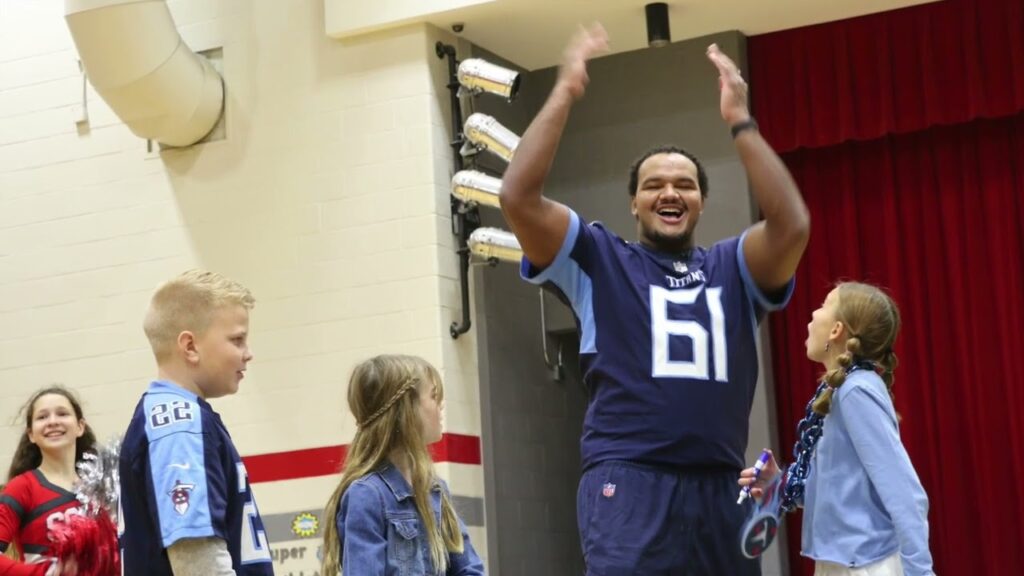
[872, 321]
[383, 395]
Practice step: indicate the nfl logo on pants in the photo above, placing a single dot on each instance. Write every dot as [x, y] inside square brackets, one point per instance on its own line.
[609, 490]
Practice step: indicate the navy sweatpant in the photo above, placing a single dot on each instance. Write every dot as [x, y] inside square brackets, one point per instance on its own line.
[637, 519]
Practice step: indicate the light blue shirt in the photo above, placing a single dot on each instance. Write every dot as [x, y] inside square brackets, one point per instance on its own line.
[863, 501]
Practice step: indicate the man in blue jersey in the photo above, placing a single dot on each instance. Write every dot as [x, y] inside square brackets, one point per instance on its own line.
[667, 333]
[187, 508]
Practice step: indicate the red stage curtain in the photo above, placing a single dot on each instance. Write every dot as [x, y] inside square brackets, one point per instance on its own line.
[895, 72]
[935, 217]
[905, 131]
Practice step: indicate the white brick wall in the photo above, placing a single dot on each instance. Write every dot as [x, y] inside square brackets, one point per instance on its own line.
[329, 199]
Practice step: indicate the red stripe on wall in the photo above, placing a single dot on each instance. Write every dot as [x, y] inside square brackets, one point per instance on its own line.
[312, 462]
[458, 449]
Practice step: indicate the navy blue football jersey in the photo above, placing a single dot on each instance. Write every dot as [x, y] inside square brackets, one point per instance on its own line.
[667, 346]
[181, 477]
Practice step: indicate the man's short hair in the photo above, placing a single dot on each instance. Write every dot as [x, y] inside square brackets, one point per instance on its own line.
[634, 170]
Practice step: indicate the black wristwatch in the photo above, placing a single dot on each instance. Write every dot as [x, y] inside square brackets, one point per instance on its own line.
[748, 124]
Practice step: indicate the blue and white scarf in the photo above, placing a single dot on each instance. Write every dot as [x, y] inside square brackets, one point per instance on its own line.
[808, 433]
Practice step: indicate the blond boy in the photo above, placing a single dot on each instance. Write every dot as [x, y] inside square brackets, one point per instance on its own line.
[187, 508]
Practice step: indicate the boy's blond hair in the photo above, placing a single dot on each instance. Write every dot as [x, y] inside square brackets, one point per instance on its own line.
[187, 303]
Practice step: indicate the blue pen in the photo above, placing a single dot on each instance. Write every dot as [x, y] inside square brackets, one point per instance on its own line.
[762, 461]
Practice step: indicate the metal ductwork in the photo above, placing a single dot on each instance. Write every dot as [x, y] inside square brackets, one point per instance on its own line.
[136, 60]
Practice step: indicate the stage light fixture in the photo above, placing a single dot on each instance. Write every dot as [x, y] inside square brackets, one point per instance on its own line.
[495, 244]
[477, 187]
[477, 75]
[658, 33]
[483, 132]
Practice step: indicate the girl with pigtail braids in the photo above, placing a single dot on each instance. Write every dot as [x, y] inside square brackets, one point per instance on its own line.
[865, 511]
[391, 514]
[878, 320]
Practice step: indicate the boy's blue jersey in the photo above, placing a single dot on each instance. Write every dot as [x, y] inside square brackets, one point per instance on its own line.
[667, 346]
[181, 477]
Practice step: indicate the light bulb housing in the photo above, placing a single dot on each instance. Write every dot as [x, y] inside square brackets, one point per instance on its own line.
[477, 75]
[476, 187]
[495, 243]
[483, 132]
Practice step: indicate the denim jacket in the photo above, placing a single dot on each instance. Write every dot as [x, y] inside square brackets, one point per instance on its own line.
[381, 534]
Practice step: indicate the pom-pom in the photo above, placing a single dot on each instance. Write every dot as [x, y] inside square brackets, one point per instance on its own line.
[88, 542]
[100, 480]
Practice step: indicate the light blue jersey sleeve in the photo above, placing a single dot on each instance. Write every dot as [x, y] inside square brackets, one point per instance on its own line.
[761, 301]
[177, 467]
[566, 272]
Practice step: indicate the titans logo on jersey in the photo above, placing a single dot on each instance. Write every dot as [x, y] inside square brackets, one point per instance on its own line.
[181, 477]
[667, 346]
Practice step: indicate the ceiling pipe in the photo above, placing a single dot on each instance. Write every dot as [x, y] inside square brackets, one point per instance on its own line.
[136, 60]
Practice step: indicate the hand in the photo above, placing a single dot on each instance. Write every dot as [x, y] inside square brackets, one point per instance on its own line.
[585, 44]
[733, 87]
[66, 567]
[768, 473]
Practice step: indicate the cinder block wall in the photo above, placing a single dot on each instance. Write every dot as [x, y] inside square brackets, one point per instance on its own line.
[328, 198]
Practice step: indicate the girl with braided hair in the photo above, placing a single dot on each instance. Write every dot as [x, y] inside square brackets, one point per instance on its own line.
[865, 511]
[393, 514]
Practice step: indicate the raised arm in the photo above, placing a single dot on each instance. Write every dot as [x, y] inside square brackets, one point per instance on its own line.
[772, 247]
[540, 224]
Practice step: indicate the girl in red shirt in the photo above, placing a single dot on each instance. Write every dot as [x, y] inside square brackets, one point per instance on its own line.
[40, 481]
